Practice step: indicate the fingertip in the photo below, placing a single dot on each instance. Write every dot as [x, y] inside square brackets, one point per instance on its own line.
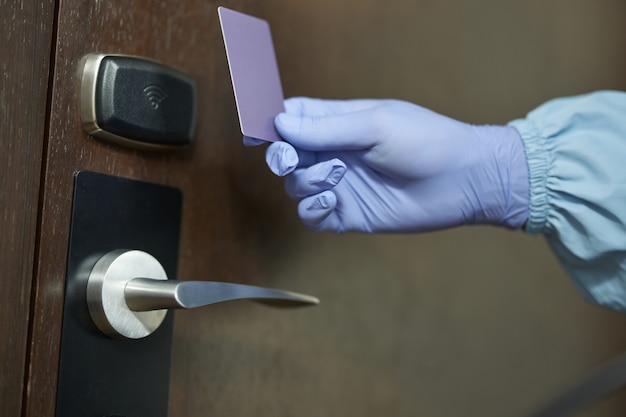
[315, 179]
[294, 105]
[248, 141]
[281, 158]
[315, 209]
[337, 172]
[287, 125]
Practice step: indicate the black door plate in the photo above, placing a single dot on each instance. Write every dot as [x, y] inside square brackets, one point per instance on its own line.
[98, 375]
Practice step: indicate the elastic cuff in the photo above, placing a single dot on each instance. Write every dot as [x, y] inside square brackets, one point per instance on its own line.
[538, 163]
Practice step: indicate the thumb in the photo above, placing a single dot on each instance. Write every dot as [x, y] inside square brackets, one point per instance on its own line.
[348, 131]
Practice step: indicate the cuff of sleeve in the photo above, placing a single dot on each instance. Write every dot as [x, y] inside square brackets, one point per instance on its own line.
[575, 149]
[537, 156]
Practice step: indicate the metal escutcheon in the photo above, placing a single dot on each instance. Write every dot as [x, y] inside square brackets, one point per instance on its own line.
[128, 294]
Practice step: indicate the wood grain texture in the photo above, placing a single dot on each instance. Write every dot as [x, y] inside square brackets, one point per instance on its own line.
[24, 72]
[184, 35]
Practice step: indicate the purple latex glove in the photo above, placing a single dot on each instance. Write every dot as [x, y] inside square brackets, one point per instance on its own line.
[392, 166]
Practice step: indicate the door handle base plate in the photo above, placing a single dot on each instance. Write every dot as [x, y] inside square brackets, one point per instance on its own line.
[99, 375]
[106, 294]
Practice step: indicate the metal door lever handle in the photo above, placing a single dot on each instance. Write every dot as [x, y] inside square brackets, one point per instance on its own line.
[128, 294]
[145, 294]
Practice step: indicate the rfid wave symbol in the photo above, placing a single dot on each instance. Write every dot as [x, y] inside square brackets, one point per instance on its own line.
[155, 95]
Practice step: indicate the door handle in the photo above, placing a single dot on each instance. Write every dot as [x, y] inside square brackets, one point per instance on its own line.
[128, 294]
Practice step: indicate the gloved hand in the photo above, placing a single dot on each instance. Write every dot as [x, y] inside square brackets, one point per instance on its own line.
[392, 166]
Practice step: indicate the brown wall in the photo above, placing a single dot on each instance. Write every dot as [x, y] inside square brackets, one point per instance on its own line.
[475, 321]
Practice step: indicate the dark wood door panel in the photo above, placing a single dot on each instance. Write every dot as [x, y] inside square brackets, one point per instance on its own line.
[25, 45]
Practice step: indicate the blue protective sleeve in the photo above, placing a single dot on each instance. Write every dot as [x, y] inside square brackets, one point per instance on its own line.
[576, 152]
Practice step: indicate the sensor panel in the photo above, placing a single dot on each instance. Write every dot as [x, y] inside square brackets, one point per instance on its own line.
[137, 102]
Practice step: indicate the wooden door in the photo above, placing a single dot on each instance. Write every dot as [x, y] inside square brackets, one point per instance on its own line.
[215, 234]
[25, 47]
[401, 330]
